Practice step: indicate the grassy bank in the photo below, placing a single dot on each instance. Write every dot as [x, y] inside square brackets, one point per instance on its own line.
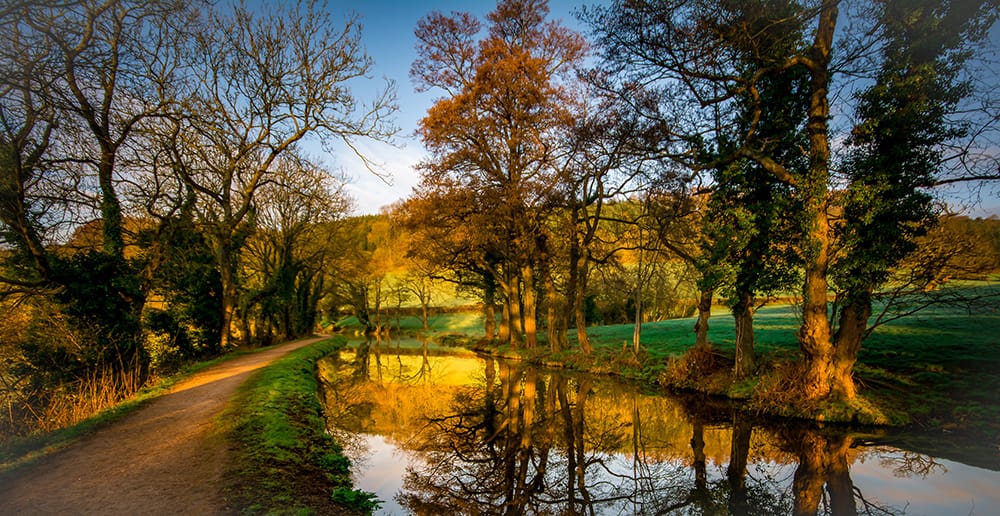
[283, 461]
[938, 369]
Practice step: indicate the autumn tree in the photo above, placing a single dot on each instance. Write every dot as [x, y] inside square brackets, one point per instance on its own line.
[350, 275]
[449, 231]
[494, 131]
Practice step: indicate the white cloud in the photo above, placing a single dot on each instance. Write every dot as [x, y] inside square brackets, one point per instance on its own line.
[395, 164]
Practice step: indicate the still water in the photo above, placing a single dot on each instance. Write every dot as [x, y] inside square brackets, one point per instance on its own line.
[435, 431]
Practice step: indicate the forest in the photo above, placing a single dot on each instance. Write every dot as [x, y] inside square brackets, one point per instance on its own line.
[158, 204]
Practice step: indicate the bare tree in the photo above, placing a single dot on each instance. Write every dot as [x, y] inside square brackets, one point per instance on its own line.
[265, 80]
[282, 275]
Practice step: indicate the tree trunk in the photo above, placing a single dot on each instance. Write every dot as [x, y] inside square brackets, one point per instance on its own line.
[378, 306]
[227, 280]
[555, 315]
[847, 341]
[504, 331]
[743, 316]
[515, 321]
[637, 329]
[579, 308]
[530, 296]
[637, 326]
[576, 291]
[814, 335]
[701, 325]
[425, 311]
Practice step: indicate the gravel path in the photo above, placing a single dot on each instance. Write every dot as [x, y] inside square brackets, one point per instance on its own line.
[165, 458]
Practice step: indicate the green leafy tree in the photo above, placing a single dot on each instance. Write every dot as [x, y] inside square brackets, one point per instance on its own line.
[896, 150]
[689, 53]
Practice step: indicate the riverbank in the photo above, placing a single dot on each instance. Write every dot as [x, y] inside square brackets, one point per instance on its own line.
[936, 371]
[282, 461]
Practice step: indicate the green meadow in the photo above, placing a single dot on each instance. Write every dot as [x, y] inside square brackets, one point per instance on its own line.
[938, 368]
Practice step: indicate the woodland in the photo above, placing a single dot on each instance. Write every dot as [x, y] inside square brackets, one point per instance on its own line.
[158, 206]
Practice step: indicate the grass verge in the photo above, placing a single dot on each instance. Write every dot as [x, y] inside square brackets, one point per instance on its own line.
[283, 461]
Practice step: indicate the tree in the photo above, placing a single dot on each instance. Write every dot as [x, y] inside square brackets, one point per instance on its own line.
[748, 230]
[78, 81]
[602, 162]
[286, 256]
[688, 50]
[495, 132]
[110, 66]
[896, 151]
[450, 233]
[263, 82]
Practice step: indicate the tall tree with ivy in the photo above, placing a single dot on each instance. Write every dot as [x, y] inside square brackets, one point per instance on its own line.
[896, 149]
[680, 50]
[750, 235]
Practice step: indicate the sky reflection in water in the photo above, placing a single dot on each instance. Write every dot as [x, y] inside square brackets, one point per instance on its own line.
[463, 434]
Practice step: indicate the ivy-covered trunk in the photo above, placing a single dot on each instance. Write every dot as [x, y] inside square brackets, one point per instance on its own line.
[704, 313]
[743, 317]
[814, 334]
[851, 330]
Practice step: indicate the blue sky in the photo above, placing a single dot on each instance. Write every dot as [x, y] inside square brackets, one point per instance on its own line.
[387, 35]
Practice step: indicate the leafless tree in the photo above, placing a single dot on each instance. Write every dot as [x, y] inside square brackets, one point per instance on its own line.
[263, 81]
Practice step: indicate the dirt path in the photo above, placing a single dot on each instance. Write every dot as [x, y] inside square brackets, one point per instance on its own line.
[165, 458]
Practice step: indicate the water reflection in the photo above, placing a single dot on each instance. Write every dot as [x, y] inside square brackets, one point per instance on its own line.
[483, 436]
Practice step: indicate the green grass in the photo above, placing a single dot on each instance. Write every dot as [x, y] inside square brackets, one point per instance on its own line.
[457, 322]
[938, 369]
[283, 461]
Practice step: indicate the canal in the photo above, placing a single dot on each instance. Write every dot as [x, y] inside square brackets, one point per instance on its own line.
[437, 431]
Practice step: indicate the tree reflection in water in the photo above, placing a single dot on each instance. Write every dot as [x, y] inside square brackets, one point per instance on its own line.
[523, 443]
[486, 436]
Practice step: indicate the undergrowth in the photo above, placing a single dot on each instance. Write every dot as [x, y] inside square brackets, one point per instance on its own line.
[17, 451]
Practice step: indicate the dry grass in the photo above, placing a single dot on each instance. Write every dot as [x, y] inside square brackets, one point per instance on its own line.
[702, 369]
[98, 391]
